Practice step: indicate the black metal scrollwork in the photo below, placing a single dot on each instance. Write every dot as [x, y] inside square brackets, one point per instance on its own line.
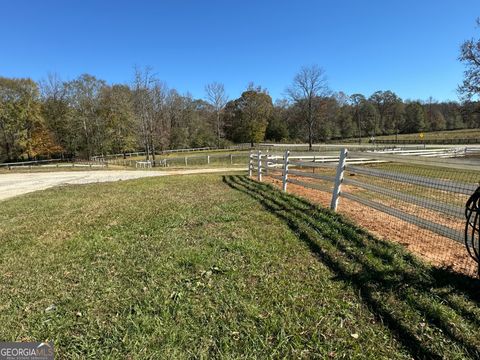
[472, 226]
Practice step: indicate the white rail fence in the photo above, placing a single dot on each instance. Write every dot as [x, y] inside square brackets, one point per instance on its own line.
[184, 161]
[52, 163]
[172, 151]
[452, 152]
[426, 192]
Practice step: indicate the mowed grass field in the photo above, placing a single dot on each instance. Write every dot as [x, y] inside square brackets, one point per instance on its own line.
[192, 154]
[194, 159]
[218, 267]
[435, 135]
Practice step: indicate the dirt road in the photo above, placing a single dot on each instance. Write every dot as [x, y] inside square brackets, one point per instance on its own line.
[21, 183]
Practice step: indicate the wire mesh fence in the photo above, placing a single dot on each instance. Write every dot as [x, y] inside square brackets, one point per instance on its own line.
[417, 201]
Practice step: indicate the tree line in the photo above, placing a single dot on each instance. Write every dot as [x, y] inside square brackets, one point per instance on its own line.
[86, 116]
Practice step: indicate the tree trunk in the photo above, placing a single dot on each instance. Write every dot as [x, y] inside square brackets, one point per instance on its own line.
[218, 129]
[310, 133]
[310, 124]
[153, 154]
[359, 130]
[9, 152]
[147, 150]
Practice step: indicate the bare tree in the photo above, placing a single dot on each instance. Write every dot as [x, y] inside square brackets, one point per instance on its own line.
[160, 124]
[58, 115]
[357, 100]
[149, 95]
[216, 96]
[52, 87]
[470, 56]
[83, 96]
[309, 83]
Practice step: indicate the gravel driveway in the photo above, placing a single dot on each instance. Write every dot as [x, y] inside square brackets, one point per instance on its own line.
[21, 183]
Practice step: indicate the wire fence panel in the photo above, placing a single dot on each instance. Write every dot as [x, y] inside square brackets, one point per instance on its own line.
[275, 177]
[413, 179]
[314, 186]
[413, 219]
[312, 175]
[429, 202]
[452, 210]
[312, 164]
[415, 198]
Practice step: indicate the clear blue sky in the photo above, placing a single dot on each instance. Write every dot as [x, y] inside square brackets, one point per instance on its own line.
[410, 47]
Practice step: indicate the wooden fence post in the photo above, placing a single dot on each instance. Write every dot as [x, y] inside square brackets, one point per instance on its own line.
[186, 162]
[208, 159]
[339, 179]
[231, 159]
[259, 165]
[285, 171]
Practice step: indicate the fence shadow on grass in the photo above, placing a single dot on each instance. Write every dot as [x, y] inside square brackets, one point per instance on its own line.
[432, 312]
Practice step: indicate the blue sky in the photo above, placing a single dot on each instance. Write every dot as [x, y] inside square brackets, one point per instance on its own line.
[410, 47]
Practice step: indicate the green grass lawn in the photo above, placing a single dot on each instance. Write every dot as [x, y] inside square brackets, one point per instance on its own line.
[201, 154]
[218, 267]
[194, 159]
[432, 135]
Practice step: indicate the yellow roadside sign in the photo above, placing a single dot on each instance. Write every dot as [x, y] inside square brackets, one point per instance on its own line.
[421, 135]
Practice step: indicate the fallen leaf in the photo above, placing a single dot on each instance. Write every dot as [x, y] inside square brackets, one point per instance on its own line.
[51, 308]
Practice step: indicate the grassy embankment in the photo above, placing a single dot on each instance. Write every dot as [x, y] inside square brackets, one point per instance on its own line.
[208, 267]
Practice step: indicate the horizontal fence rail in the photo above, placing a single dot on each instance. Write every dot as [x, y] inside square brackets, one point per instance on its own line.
[430, 141]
